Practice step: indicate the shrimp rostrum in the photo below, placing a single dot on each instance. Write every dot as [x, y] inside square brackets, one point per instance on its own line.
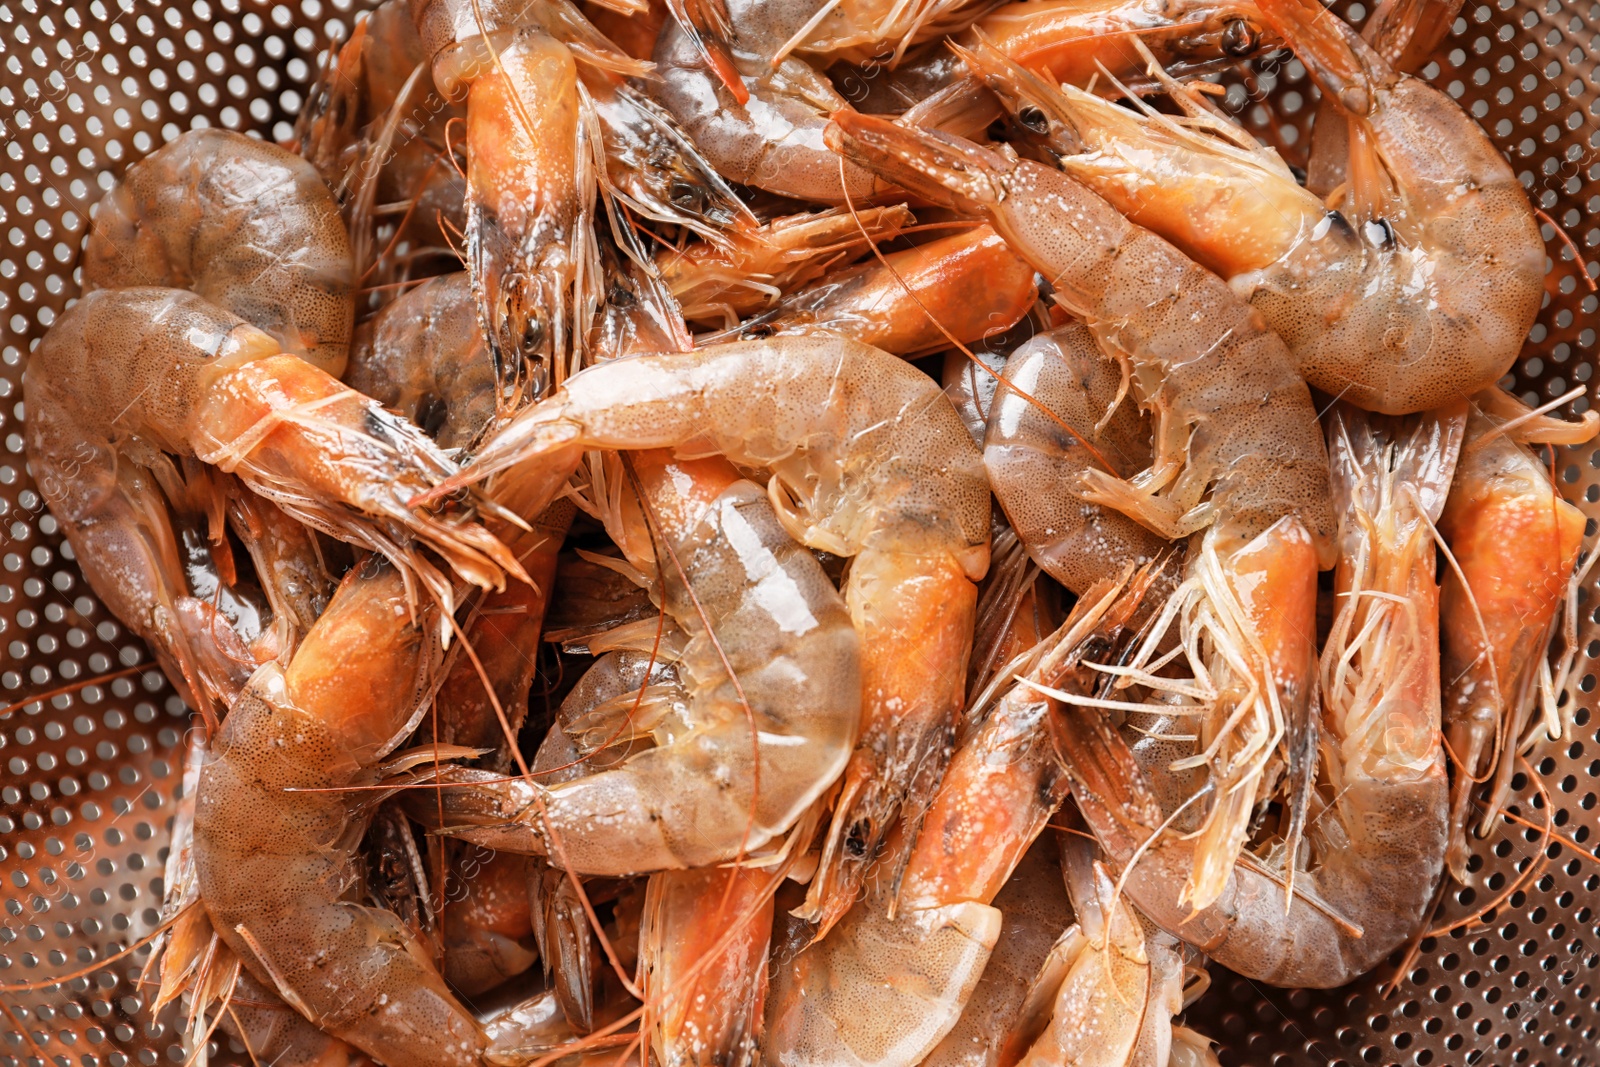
[1238, 462]
[869, 460]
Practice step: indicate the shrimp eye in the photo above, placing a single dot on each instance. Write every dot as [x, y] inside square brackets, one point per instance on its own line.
[1240, 39]
[431, 414]
[620, 296]
[687, 196]
[757, 331]
[1378, 233]
[1033, 119]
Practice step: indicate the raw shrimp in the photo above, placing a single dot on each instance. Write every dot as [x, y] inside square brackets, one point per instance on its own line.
[1034, 462]
[1418, 292]
[704, 955]
[1376, 844]
[771, 671]
[272, 1032]
[754, 266]
[424, 358]
[243, 223]
[1515, 542]
[1238, 459]
[275, 831]
[869, 461]
[961, 289]
[887, 983]
[1035, 911]
[204, 383]
[290, 565]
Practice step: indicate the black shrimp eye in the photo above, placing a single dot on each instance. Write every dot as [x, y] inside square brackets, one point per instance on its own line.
[757, 331]
[620, 296]
[687, 195]
[1378, 233]
[1240, 39]
[1033, 119]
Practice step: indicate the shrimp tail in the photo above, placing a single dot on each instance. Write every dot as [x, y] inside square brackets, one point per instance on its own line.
[571, 958]
[936, 166]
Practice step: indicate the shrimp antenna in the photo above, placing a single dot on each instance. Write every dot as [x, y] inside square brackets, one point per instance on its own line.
[1547, 832]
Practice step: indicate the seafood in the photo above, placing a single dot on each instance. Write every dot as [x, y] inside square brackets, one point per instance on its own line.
[1036, 911]
[1077, 41]
[1238, 461]
[272, 864]
[752, 267]
[1418, 292]
[205, 384]
[1376, 843]
[954, 290]
[869, 461]
[1515, 543]
[485, 924]
[1034, 459]
[423, 358]
[770, 669]
[243, 224]
[704, 952]
[887, 983]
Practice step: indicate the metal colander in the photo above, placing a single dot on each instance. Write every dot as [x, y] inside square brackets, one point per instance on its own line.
[89, 773]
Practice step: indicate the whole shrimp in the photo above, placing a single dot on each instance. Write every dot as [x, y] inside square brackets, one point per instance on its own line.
[1515, 543]
[244, 224]
[1376, 844]
[1035, 458]
[275, 832]
[869, 461]
[1081, 42]
[126, 376]
[887, 983]
[1237, 461]
[770, 669]
[1418, 292]
[961, 289]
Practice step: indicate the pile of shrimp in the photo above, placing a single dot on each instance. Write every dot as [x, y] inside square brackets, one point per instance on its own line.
[660, 506]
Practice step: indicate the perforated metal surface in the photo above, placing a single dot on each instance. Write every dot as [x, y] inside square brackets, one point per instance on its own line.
[88, 778]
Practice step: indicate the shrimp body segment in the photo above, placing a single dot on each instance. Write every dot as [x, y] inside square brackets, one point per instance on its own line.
[1516, 542]
[868, 460]
[773, 692]
[244, 224]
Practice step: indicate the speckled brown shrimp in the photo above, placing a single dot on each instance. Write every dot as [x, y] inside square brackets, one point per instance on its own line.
[127, 376]
[1418, 291]
[243, 223]
[770, 669]
[1238, 458]
[869, 461]
[1034, 461]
